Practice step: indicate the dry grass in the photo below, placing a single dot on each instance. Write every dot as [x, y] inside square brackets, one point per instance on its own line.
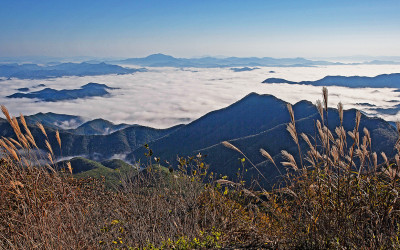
[339, 197]
[46, 208]
[335, 196]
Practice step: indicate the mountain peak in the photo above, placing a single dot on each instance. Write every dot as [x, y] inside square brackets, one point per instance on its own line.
[159, 56]
[95, 85]
[256, 96]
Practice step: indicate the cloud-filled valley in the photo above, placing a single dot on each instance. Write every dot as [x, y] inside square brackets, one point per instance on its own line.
[163, 97]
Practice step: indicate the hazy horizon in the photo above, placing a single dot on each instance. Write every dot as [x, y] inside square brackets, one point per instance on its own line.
[366, 56]
[38, 59]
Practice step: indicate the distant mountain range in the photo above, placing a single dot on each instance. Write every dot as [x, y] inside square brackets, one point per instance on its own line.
[380, 62]
[380, 81]
[34, 71]
[363, 59]
[161, 60]
[256, 121]
[53, 95]
[56, 67]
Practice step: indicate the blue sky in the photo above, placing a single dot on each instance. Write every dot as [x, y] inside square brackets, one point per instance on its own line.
[122, 28]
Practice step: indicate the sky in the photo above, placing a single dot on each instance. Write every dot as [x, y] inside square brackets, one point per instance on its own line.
[185, 28]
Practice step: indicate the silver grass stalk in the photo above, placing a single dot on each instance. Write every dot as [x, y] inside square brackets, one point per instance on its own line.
[320, 110]
[291, 161]
[325, 95]
[340, 111]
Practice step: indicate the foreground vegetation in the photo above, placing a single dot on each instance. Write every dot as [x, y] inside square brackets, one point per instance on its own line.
[335, 195]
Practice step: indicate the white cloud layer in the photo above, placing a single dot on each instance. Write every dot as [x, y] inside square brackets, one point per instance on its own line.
[163, 97]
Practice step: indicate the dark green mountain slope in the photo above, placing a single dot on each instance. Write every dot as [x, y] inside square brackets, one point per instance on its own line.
[111, 170]
[116, 164]
[80, 164]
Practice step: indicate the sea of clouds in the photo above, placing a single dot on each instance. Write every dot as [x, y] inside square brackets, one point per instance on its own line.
[163, 97]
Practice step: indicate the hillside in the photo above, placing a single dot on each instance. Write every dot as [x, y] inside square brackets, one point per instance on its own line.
[55, 121]
[111, 170]
[251, 115]
[256, 121]
[274, 140]
[98, 127]
[93, 146]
